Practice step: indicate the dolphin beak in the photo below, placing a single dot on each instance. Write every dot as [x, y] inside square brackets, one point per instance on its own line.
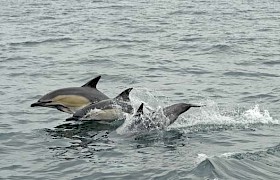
[50, 104]
[40, 103]
[195, 105]
[37, 104]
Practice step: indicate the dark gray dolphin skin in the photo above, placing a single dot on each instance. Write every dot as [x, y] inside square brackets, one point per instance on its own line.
[174, 111]
[71, 99]
[150, 121]
[106, 110]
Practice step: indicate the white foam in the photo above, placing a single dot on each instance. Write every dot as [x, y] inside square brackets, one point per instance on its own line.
[255, 115]
[226, 155]
[200, 157]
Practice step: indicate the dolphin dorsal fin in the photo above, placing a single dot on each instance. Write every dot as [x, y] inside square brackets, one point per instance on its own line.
[92, 83]
[124, 96]
[140, 109]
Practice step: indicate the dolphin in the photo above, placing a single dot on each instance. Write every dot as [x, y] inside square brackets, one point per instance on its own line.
[174, 111]
[106, 110]
[71, 99]
[161, 119]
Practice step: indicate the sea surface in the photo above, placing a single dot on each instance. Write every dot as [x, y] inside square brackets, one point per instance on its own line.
[219, 53]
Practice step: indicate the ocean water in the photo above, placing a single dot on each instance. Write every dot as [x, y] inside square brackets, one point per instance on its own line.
[224, 54]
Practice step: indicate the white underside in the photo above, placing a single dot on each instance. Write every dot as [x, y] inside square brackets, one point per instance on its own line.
[104, 115]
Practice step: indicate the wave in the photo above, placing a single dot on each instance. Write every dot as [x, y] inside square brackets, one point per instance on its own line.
[256, 165]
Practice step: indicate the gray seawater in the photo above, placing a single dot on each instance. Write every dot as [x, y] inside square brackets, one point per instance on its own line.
[225, 54]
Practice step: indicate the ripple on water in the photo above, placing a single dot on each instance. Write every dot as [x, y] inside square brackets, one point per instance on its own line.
[34, 43]
[266, 97]
[249, 74]
[119, 40]
[194, 70]
[218, 48]
[272, 63]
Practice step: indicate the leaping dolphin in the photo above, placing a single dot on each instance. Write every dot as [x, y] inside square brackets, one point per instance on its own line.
[155, 120]
[106, 110]
[71, 99]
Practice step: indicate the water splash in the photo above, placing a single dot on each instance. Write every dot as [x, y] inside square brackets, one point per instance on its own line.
[212, 114]
[139, 95]
[256, 115]
[144, 123]
[152, 103]
[208, 117]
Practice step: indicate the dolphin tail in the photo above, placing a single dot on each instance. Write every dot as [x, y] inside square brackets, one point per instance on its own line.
[124, 96]
[92, 83]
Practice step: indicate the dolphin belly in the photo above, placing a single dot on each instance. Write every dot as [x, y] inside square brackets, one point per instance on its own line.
[104, 115]
[71, 101]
